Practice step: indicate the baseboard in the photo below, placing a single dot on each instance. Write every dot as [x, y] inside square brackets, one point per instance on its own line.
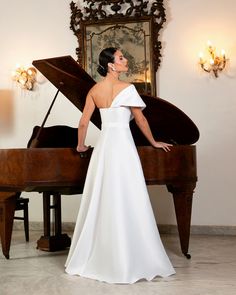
[163, 228]
[201, 230]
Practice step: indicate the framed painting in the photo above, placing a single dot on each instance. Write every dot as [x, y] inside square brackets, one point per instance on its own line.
[136, 36]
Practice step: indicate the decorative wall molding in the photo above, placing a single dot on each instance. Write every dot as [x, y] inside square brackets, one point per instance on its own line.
[114, 11]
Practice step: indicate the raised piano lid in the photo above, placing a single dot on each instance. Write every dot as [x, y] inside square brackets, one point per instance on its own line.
[67, 76]
[168, 123]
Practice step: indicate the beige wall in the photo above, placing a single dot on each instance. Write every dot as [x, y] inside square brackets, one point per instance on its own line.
[40, 29]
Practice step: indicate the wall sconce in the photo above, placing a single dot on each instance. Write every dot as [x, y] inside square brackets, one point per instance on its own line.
[215, 63]
[25, 77]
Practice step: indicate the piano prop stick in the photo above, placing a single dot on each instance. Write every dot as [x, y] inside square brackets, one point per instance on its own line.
[54, 168]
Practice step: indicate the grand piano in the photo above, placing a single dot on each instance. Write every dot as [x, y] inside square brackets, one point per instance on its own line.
[50, 164]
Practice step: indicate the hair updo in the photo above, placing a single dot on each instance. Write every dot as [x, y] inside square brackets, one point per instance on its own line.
[106, 56]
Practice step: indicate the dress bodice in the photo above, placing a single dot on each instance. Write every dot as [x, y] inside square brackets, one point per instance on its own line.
[115, 116]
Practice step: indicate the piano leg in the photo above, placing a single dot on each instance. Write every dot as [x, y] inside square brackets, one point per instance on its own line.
[182, 195]
[7, 211]
[56, 241]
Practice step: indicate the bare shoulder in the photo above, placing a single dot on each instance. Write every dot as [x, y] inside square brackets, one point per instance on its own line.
[95, 89]
[121, 85]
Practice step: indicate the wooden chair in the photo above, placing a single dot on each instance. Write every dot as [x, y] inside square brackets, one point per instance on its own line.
[22, 204]
[10, 202]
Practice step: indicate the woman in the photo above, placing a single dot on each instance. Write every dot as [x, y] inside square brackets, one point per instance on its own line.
[116, 239]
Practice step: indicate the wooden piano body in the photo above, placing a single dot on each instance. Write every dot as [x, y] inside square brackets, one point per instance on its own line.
[50, 165]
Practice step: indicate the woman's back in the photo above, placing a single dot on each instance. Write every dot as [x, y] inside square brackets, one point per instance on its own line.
[104, 92]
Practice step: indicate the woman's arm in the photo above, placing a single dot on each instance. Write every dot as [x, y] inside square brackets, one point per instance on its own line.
[83, 123]
[143, 125]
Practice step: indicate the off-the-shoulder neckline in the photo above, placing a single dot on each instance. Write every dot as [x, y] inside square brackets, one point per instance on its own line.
[117, 96]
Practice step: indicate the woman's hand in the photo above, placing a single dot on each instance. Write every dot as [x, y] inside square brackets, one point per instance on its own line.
[82, 149]
[162, 145]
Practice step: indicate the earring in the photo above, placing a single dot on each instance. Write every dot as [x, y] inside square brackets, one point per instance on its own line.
[112, 68]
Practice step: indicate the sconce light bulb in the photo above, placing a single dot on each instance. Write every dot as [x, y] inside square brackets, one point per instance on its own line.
[223, 52]
[32, 71]
[212, 61]
[201, 61]
[22, 81]
[209, 44]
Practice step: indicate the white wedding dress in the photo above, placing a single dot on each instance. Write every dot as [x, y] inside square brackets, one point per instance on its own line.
[116, 239]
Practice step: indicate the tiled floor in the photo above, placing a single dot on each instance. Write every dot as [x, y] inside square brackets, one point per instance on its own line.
[212, 270]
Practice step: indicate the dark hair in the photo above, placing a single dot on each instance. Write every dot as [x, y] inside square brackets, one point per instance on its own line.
[106, 56]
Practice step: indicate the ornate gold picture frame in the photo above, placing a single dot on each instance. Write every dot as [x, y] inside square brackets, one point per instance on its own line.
[135, 31]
